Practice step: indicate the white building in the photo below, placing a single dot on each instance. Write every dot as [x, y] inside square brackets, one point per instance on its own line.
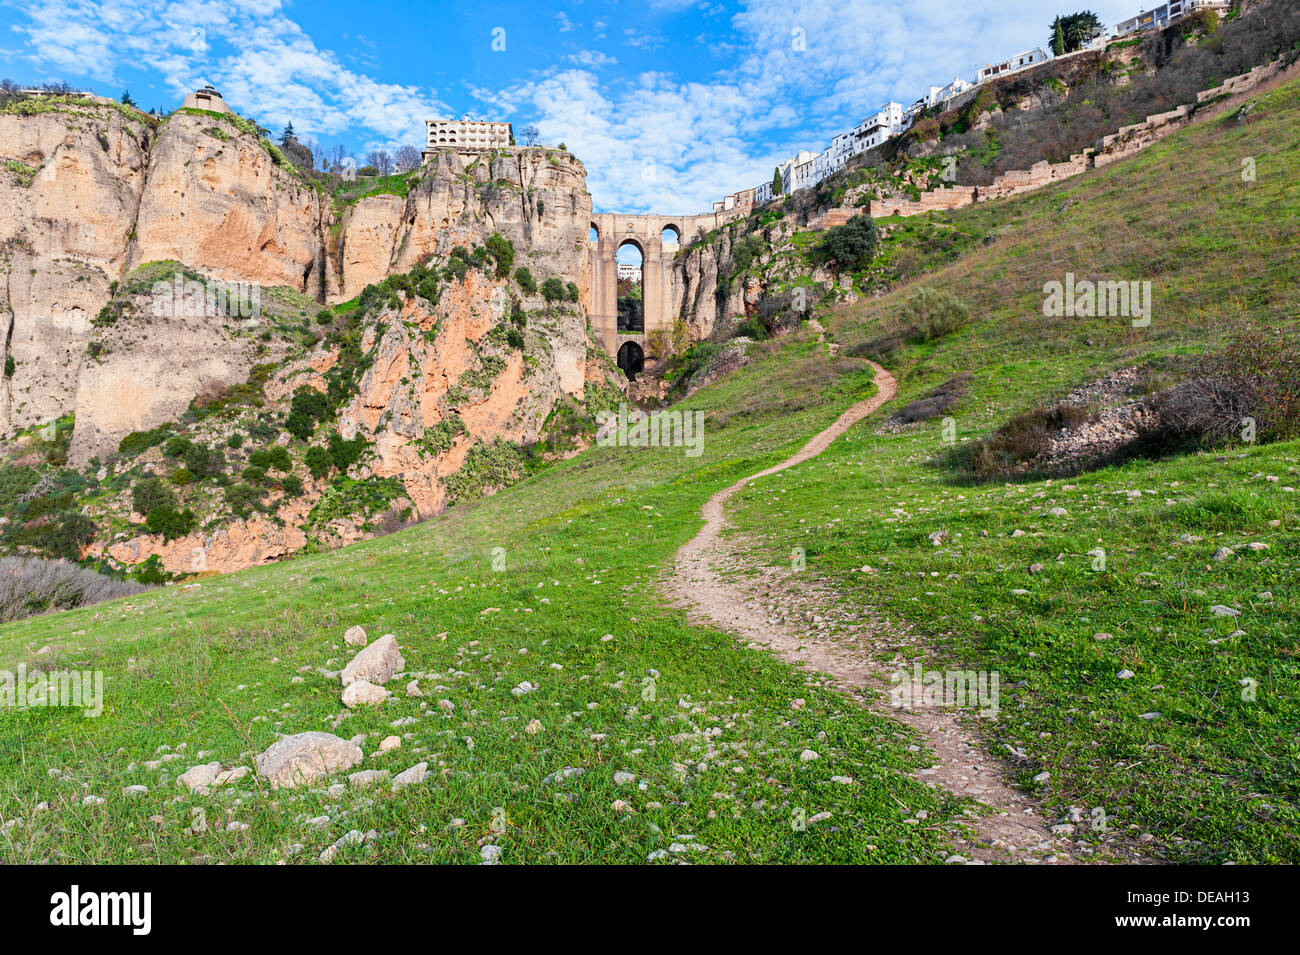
[763, 192]
[1012, 64]
[799, 172]
[1165, 14]
[888, 122]
[464, 134]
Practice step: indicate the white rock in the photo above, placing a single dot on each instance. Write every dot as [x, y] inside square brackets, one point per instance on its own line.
[533, 728]
[410, 777]
[197, 779]
[390, 743]
[808, 755]
[413, 688]
[306, 757]
[366, 778]
[1125, 674]
[363, 693]
[376, 663]
[624, 779]
[1219, 610]
[491, 855]
[355, 637]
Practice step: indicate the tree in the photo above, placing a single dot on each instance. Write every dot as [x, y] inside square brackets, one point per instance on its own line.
[778, 186]
[852, 245]
[126, 98]
[407, 158]
[382, 160]
[532, 135]
[287, 133]
[1074, 30]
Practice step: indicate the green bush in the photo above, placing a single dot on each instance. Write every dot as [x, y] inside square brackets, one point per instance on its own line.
[525, 280]
[276, 456]
[170, 523]
[151, 494]
[553, 290]
[503, 252]
[851, 246]
[319, 461]
[235, 441]
[930, 314]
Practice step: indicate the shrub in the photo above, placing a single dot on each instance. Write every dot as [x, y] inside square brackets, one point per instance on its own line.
[181, 476]
[502, 251]
[276, 456]
[151, 494]
[1014, 446]
[243, 498]
[253, 474]
[30, 586]
[931, 314]
[235, 441]
[553, 289]
[525, 280]
[851, 246]
[170, 523]
[318, 461]
[292, 485]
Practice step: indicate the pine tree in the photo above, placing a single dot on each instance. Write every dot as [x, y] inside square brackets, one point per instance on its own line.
[287, 133]
[126, 98]
[1058, 38]
[777, 186]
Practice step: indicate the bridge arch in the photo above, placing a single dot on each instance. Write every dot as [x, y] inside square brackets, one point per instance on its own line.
[659, 239]
[631, 359]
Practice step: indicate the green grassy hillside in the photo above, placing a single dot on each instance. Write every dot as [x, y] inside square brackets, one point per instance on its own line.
[705, 725]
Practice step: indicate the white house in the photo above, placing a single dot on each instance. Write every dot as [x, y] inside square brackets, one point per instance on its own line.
[1167, 13]
[1012, 64]
[888, 121]
[800, 172]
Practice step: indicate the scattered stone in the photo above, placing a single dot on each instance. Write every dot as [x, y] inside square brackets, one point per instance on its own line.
[365, 778]
[1125, 674]
[1042, 777]
[534, 727]
[197, 779]
[375, 664]
[363, 693]
[306, 757]
[355, 637]
[624, 779]
[491, 855]
[390, 743]
[1223, 553]
[808, 755]
[411, 777]
[413, 688]
[1219, 610]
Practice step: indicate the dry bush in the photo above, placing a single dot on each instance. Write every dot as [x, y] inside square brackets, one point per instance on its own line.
[1010, 449]
[933, 403]
[29, 586]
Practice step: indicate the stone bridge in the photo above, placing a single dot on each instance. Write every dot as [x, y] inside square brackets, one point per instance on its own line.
[658, 238]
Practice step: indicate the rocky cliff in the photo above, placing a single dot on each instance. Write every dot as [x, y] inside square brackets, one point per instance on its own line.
[130, 249]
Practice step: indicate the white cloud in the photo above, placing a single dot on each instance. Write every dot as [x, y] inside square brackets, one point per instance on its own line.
[591, 59]
[263, 62]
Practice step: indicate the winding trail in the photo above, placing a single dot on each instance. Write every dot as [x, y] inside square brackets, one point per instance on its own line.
[1013, 831]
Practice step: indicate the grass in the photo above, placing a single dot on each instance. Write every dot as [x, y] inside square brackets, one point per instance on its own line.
[717, 743]
[1214, 778]
[716, 749]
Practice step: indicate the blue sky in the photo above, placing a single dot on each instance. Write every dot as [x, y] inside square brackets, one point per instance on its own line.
[669, 103]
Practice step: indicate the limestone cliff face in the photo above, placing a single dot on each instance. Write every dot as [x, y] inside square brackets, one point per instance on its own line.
[215, 200]
[68, 196]
[101, 191]
[101, 206]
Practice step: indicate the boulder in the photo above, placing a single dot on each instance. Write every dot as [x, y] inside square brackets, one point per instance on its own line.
[362, 693]
[305, 758]
[376, 663]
